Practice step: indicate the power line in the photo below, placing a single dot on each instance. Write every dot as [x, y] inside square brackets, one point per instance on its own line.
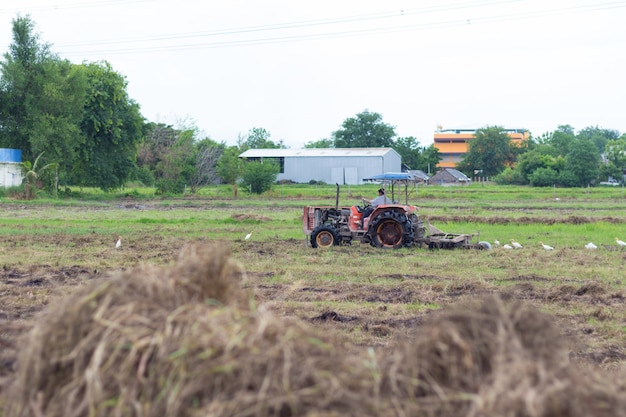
[275, 36]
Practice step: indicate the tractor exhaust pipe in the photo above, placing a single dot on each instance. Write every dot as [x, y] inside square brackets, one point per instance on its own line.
[337, 197]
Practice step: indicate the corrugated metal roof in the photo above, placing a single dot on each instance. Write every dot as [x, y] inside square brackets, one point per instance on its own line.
[314, 152]
[457, 174]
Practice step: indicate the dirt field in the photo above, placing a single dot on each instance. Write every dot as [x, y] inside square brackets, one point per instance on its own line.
[365, 314]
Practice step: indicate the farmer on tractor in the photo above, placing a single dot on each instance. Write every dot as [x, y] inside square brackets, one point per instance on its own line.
[381, 199]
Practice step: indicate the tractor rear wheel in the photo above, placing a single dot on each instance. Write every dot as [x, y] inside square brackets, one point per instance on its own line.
[324, 236]
[391, 230]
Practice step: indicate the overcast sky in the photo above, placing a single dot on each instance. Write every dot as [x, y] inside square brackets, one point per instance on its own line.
[299, 69]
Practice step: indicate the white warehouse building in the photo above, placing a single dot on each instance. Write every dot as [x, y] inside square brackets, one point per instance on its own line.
[330, 165]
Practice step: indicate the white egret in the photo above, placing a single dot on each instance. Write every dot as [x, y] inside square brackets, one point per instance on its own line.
[620, 242]
[546, 247]
[119, 242]
[496, 242]
[248, 236]
[590, 245]
[516, 245]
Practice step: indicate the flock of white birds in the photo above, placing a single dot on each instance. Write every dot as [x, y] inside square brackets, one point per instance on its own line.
[514, 244]
[517, 245]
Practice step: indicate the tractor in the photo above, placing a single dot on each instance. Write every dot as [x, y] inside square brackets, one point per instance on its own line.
[389, 226]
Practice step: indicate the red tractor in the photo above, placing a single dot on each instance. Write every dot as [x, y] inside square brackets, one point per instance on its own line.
[389, 226]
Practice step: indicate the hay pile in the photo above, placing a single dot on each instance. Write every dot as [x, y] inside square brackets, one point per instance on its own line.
[188, 341]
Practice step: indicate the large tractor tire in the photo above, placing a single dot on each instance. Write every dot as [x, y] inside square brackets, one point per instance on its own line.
[419, 231]
[324, 237]
[391, 230]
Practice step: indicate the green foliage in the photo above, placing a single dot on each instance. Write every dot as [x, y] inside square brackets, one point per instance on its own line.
[32, 173]
[259, 138]
[320, 143]
[258, 176]
[583, 160]
[144, 175]
[615, 153]
[416, 157]
[490, 151]
[177, 165]
[41, 100]
[229, 166]
[543, 177]
[510, 176]
[561, 138]
[366, 130]
[600, 137]
[111, 127]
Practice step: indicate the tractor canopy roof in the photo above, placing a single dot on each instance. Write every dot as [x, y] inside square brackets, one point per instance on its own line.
[395, 178]
[391, 176]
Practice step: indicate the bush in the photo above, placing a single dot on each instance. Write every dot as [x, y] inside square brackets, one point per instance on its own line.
[510, 176]
[258, 177]
[544, 177]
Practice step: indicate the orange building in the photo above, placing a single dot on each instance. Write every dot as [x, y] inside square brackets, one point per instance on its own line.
[453, 143]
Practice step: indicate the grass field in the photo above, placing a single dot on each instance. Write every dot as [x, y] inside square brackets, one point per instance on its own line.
[372, 296]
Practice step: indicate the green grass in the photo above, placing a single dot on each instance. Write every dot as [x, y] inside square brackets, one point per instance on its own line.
[62, 233]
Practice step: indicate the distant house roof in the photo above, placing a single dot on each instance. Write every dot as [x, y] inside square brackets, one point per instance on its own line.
[314, 152]
[457, 174]
[449, 175]
[419, 174]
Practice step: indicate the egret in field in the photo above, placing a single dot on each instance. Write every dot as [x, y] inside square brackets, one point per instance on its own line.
[620, 242]
[546, 247]
[590, 245]
[515, 244]
[119, 242]
[507, 246]
[496, 242]
[248, 236]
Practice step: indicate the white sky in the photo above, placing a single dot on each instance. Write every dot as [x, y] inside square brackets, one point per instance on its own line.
[300, 68]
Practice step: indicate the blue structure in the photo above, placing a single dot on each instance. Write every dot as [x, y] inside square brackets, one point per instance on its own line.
[10, 167]
[10, 155]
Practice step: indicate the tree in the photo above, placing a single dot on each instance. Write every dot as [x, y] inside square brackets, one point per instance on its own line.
[258, 176]
[561, 139]
[416, 157]
[32, 172]
[489, 151]
[366, 130]
[600, 137]
[320, 143]
[111, 127]
[544, 177]
[615, 154]
[409, 150]
[176, 165]
[41, 100]
[583, 160]
[259, 138]
[430, 158]
[205, 172]
[229, 166]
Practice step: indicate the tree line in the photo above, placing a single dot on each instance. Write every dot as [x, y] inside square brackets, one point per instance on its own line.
[76, 126]
[562, 158]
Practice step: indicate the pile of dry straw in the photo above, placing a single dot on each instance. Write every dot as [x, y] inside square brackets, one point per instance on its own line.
[187, 340]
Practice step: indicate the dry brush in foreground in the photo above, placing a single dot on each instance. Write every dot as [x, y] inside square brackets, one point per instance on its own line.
[187, 340]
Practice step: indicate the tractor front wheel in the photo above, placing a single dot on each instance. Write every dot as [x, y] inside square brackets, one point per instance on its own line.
[324, 236]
